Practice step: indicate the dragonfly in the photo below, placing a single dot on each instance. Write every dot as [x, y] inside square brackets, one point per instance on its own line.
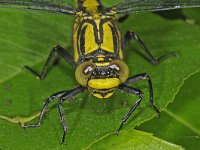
[98, 49]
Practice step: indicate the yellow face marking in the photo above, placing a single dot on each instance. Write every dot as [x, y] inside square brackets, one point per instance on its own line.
[98, 95]
[102, 64]
[100, 84]
[101, 59]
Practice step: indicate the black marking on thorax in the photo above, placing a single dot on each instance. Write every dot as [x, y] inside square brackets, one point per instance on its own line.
[99, 40]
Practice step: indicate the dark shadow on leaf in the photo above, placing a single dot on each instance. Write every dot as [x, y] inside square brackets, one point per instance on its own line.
[171, 14]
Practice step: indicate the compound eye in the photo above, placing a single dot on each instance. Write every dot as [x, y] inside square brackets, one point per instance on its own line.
[121, 69]
[83, 72]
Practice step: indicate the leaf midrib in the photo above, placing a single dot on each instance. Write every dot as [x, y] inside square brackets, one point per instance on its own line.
[182, 121]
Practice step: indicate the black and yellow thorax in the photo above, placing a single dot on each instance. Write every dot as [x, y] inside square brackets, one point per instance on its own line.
[95, 34]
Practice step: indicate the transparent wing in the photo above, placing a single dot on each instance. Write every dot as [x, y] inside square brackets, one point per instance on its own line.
[54, 6]
[135, 6]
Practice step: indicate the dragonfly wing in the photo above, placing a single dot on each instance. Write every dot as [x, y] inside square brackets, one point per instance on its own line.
[136, 6]
[53, 6]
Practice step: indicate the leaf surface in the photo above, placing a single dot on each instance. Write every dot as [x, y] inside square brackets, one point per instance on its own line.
[179, 123]
[132, 139]
[26, 39]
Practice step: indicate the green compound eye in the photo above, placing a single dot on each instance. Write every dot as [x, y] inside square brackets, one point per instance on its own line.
[83, 72]
[121, 69]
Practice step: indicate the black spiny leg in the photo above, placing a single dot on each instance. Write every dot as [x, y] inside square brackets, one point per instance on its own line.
[133, 91]
[59, 50]
[128, 89]
[49, 100]
[64, 124]
[67, 96]
[130, 35]
[62, 96]
[145, 76]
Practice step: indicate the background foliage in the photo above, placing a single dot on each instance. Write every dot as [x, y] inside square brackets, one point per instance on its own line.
[27, 38]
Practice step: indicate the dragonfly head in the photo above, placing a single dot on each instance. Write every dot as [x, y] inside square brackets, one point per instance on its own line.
[102, 80]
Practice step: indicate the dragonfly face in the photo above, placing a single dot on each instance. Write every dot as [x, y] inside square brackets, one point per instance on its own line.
[102, 78]
[98, 48]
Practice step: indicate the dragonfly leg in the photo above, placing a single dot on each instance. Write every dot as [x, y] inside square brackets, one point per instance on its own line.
[129, 35]
[135, 105]
[139, 93]
[144, 76]
[56, 50]
[64, 124]
[62, 96]
[67, 96]
[49, 100]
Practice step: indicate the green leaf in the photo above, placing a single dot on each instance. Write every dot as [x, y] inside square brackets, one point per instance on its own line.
[192, 15]
[132, 139]
[179, 123]
[26, 39]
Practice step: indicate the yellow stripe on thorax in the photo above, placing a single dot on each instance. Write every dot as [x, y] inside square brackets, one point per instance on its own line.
[91, 6]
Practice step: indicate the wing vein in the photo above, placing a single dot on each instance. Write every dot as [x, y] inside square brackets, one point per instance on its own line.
[134, 6]
[52, 6]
